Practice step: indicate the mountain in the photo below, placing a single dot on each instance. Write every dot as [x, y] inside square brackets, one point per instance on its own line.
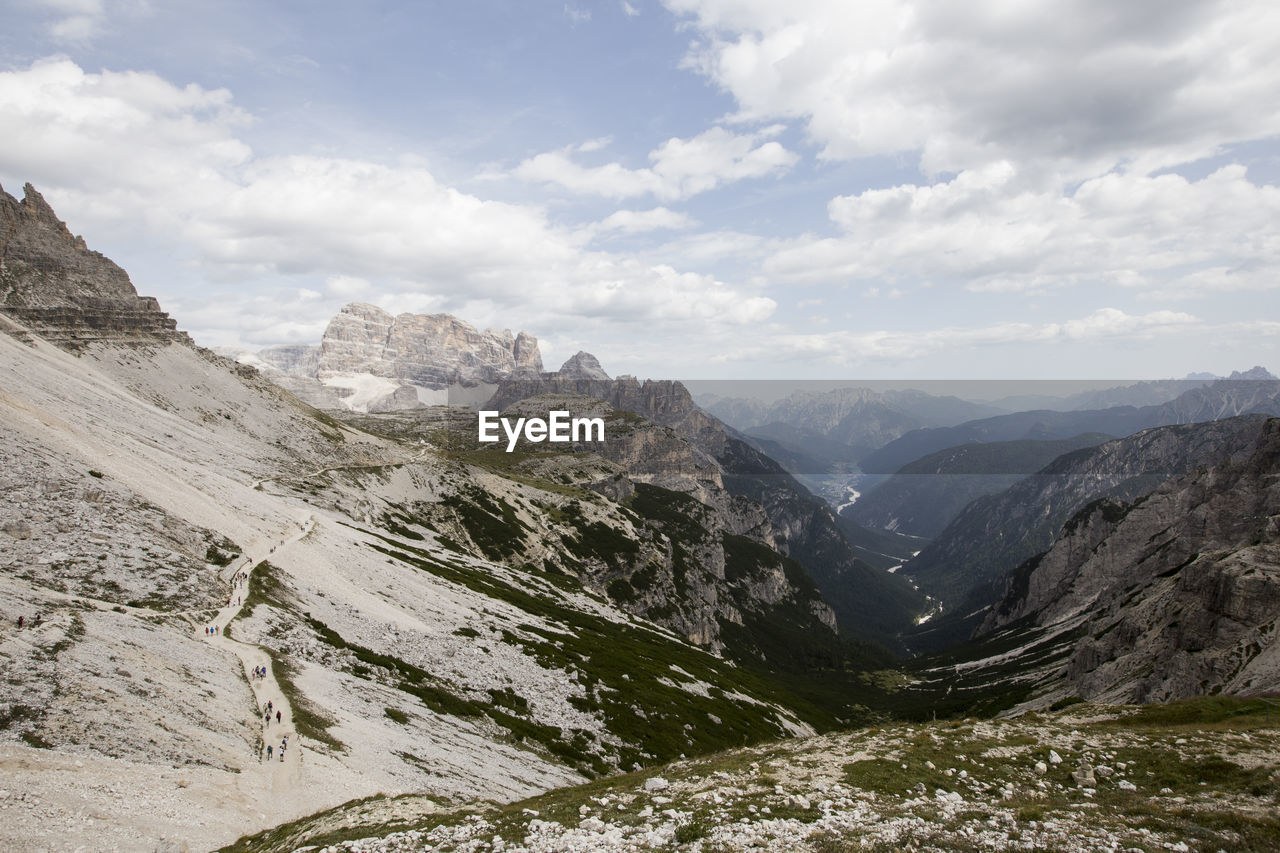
[869, 604]
[371, 361]
[427, 350]
[925, 495]
[1174, 594]
[457, 622]
[841, 425]
[967, 565]
[1222, 399]
[57, 288]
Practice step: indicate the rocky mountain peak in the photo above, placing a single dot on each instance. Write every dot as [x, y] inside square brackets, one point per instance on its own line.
[1256, 373]
[429, 350]
[53, 284]
[582, 365]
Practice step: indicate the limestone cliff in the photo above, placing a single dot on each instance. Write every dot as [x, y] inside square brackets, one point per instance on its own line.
[1178, 592]
[428, 350]
[54, 285]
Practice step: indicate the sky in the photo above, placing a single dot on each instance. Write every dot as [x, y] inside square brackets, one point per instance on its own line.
[742, 189]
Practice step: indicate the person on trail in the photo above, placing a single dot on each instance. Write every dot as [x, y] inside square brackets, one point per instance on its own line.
[270, 707]
[277, 716]
[20, 621]
[268, 752]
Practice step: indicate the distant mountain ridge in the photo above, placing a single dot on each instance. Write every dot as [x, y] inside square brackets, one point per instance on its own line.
[1222, 399]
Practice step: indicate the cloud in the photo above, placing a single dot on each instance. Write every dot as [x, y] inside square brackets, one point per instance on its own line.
[851, 348]
[132, 153]
[77, 21]
[576, 15]
[994, 231]
[629, 10]
[635, 221]
[1076, 88]
[681, 167]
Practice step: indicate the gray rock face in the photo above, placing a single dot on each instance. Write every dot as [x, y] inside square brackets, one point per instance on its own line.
[868, 603]
[974, 556]
[54, 285]
[583, 365]
[431, 350]
[293, 359]
[1178, 592]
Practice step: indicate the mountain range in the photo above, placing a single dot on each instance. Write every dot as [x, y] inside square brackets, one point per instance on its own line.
[441, 626]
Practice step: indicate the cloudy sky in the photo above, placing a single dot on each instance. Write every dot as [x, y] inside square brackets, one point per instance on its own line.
[688, 188]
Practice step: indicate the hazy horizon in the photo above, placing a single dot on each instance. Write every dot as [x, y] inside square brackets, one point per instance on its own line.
[724, 187]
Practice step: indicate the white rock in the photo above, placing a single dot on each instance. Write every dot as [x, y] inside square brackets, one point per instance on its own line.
[656, 783]
[1054, 758]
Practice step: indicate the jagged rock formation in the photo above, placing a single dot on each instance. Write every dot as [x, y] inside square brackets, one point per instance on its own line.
[925, 495]
[993, 535]
[54, 285]
[1177, 592]
[428, 350]
[292, 359]
[144, 478]
[582, 365]
[868, 603]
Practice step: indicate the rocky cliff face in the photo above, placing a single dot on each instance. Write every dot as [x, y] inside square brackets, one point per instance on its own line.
[293, 359]
[582, 365]
[972, 557]
[868, 603]
[429, 350]
[1179, 591]
[54, 285]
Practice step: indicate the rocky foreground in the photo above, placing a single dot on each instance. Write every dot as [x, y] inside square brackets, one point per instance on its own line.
[1198, 775]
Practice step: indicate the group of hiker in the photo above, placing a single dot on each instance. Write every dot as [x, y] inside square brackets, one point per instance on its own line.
[284, 741]
[35, 621]
[211, 630]
[259, 672]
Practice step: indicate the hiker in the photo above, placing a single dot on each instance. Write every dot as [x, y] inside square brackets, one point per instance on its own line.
[20, 621]
[268, 752]
[277, 716]
[270, 707]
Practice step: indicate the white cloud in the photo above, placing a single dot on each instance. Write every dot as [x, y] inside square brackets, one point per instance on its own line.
[681, 167]
[995, 232]
[852, 348]
[629, 10]
[124, 151]
[77, 21]
[635, 221]
[576, 15]
[1080, 86]
[346, 287]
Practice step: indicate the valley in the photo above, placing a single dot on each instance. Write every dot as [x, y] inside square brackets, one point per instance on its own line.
[660, 637]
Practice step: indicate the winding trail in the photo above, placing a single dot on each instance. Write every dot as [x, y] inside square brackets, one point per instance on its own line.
[286, 773]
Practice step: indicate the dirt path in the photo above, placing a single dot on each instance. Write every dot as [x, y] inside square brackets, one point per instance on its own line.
[257, 484]
[286, 770]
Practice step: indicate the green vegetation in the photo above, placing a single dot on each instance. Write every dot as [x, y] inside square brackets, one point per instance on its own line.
[627, 673]
[491, 523]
